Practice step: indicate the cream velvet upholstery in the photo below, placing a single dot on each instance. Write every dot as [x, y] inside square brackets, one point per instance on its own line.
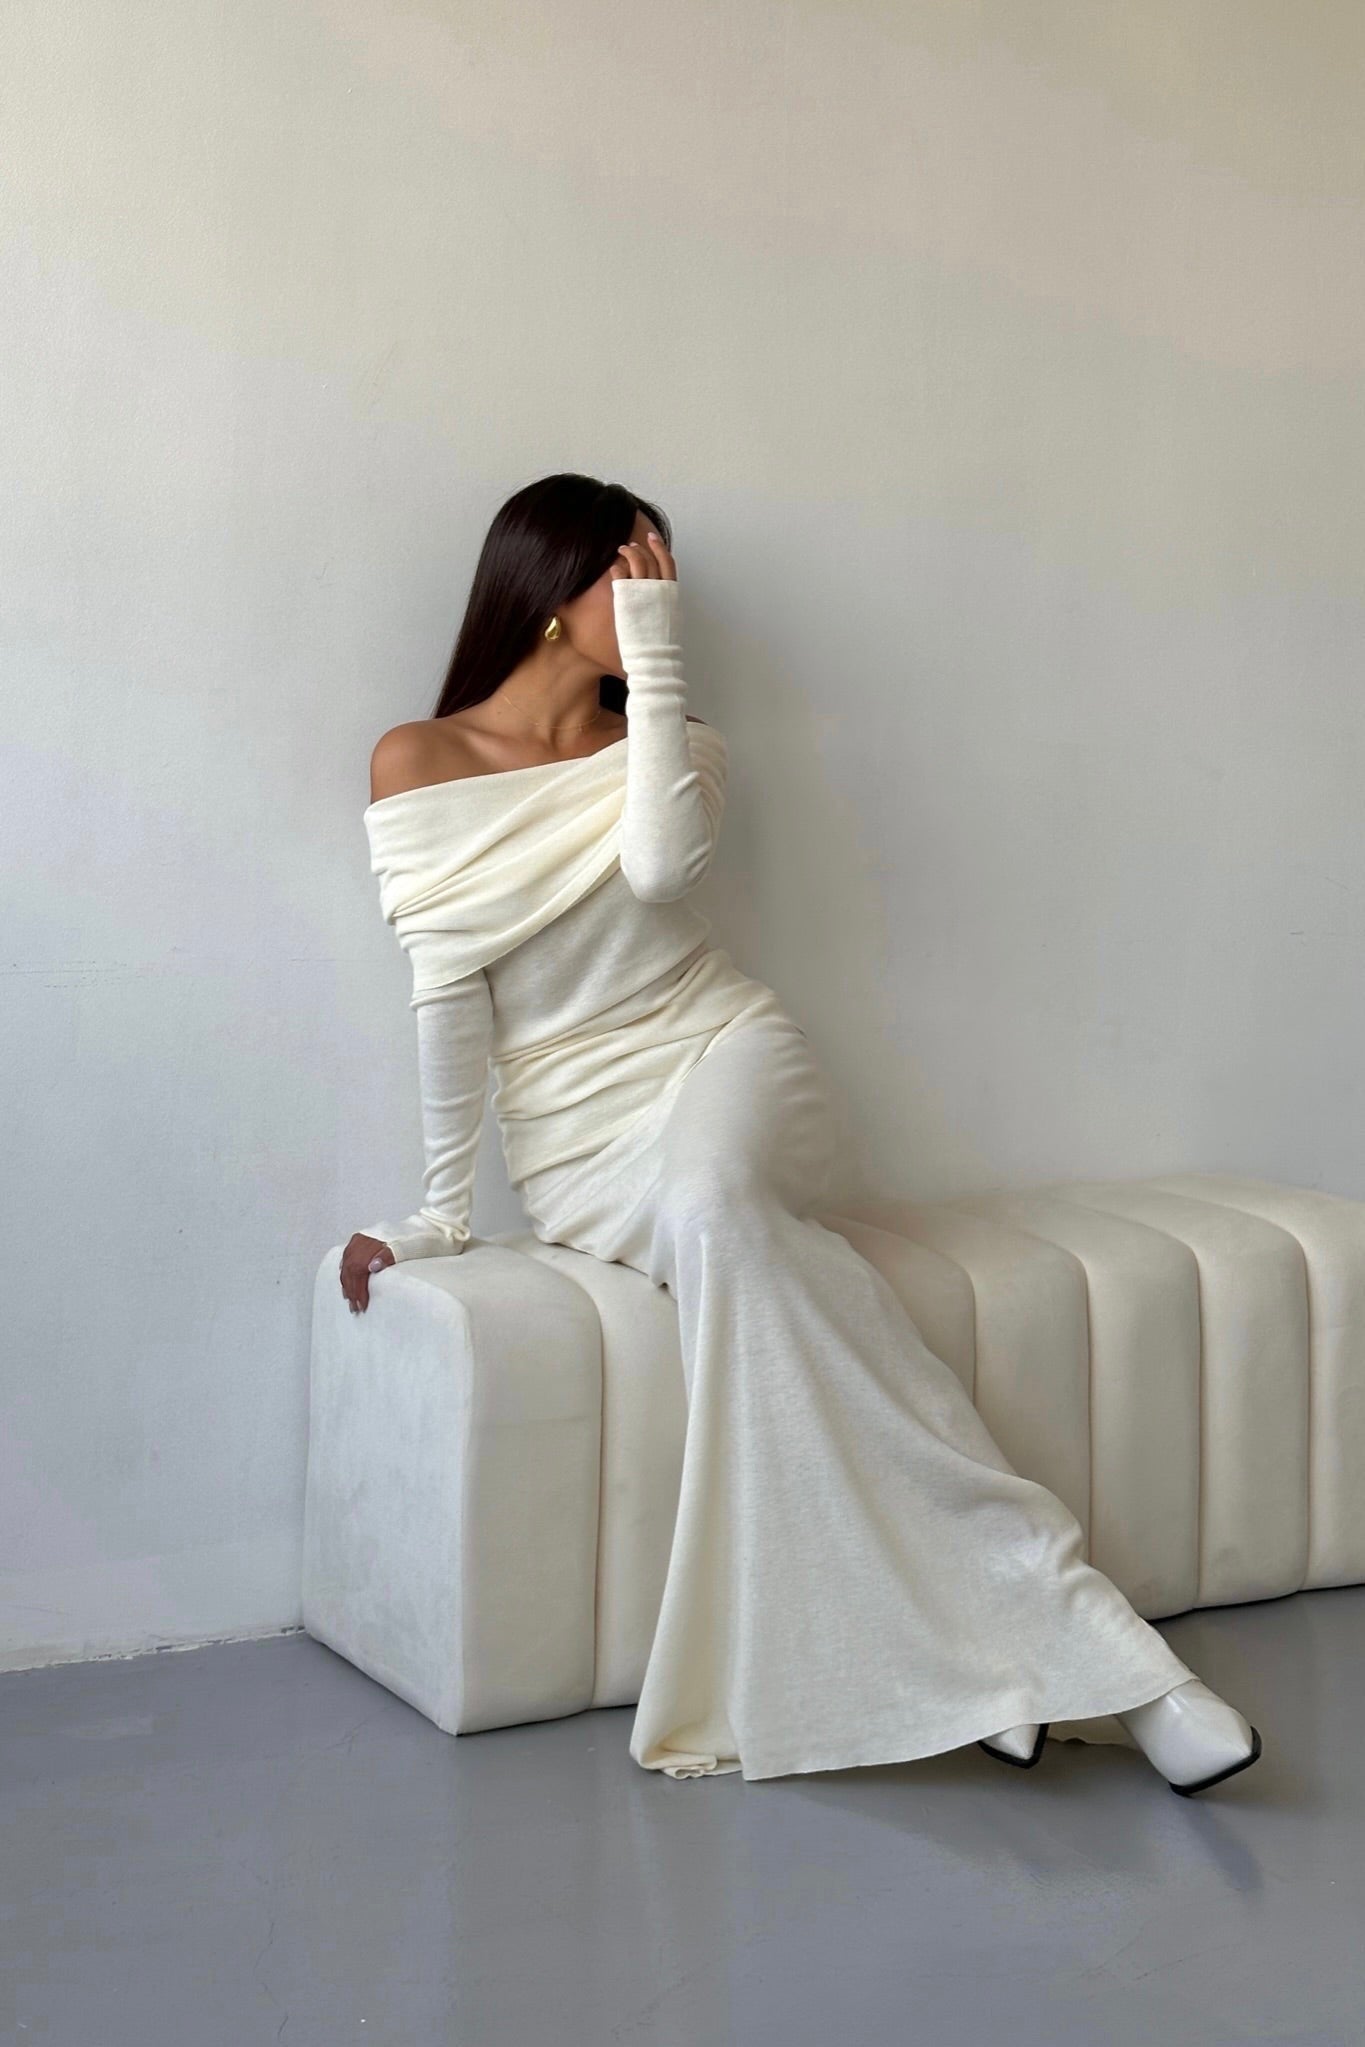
[495, 1448]
[451, 1506]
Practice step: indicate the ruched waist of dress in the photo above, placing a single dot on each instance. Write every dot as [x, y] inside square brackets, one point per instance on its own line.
[574, 1094]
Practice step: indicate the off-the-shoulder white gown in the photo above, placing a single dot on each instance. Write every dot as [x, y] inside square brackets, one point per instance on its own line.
[857, 1573]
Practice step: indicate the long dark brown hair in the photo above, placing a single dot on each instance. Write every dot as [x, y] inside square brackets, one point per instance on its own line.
[547, 544]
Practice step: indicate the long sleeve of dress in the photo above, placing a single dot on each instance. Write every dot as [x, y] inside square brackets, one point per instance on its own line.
[668, 826]
[454, 1033]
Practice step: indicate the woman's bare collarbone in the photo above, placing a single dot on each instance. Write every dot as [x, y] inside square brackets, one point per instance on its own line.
[452, 749]
[468, 748]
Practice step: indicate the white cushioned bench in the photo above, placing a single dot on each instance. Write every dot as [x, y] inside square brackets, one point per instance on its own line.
[495, 1447]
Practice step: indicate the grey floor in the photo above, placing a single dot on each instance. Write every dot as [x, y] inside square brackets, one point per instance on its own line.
[255, 1842]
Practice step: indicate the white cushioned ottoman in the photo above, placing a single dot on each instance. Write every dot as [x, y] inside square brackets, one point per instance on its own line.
[495, 1447]
[450, 1511]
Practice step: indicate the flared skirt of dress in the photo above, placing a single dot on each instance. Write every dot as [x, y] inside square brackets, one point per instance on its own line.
[857, 1573]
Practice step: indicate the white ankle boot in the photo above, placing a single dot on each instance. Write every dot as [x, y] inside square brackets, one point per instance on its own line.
[1022, 1745]
[1192, 1737]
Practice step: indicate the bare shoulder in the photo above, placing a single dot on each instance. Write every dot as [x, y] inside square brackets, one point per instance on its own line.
[409, 756]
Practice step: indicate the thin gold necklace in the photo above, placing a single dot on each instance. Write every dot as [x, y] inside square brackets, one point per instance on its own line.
[578, 728]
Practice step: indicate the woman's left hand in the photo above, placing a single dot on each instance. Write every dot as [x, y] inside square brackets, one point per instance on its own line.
[653, 560]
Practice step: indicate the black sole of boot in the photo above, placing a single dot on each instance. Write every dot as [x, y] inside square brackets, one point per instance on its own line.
[1020, 1762]
[1220, 1776]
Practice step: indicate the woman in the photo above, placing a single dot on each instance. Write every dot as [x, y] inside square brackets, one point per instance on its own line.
[857, 1574]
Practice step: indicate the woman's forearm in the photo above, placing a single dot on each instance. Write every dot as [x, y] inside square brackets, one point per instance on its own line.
[454, 1032]
[669, 822]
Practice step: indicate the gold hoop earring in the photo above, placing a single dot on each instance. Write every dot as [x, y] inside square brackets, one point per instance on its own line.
[553, 629]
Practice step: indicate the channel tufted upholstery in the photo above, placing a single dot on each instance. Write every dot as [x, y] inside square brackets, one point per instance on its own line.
[495, 1448]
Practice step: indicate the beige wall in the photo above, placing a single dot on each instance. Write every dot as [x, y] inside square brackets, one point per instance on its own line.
[1001, 368]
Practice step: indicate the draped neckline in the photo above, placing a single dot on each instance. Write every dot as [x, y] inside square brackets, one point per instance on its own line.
[464, 879]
